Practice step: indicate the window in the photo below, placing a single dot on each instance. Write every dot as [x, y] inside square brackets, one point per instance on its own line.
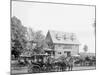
[59, 52]
[65, 51]
[68, 53]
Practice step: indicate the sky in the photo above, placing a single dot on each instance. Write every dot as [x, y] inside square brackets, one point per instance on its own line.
[66, 18]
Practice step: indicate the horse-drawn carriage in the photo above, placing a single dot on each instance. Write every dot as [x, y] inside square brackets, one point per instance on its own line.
[35, 63]
[39, 63]
[46, 63]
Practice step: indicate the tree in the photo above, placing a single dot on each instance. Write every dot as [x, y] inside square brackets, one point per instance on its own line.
[85, 48]
[18, 39]
[38, 38]
[30, 34]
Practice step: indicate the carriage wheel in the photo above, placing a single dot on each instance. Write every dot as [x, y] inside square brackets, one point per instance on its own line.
[34, 69]
[30, 70]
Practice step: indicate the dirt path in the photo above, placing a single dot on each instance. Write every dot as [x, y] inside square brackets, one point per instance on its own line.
[24, 69]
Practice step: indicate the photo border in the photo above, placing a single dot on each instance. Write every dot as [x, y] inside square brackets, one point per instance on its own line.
[52, 3]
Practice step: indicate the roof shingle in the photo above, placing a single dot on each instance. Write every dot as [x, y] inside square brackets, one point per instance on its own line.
[63, 37]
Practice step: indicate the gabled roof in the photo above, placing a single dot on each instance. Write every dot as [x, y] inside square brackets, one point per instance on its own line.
[63, 37]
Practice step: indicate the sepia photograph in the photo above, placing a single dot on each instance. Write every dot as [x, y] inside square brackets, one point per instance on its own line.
[52, 37]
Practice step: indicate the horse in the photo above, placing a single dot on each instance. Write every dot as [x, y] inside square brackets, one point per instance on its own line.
[69, 63]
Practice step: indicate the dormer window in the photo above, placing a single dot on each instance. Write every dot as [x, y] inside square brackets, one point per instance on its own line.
[58, 37]
[72, 37]
[64, 36]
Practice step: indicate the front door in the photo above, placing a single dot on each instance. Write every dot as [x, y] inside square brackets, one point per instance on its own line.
[68, 54]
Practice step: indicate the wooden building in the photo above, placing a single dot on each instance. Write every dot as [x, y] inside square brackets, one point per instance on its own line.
[62, 43]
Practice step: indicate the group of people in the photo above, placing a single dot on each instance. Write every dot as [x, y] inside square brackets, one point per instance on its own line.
[67, 64]
[61, 64]
[50, 64]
